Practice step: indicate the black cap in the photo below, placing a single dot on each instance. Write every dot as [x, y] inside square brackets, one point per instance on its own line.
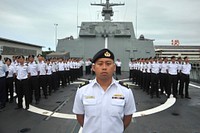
[31, 56]
[104, 53]
[39, 55]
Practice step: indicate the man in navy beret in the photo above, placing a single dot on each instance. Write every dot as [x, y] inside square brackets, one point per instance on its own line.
[104, 105]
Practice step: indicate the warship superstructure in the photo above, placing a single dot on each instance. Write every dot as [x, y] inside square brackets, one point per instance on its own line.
[119, 37]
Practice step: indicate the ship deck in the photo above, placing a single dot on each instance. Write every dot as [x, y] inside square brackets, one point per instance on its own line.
[54, 115]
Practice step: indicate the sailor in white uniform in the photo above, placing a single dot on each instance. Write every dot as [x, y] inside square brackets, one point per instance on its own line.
[103, 105]
[173, 71]
[185, 78]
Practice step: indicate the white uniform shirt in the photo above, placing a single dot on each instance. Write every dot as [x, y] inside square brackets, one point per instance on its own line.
[81, 62]
[54, 67]
[172, 68]
[186, 68]
[61, 66]
[67, 66]
[11, 71]
[141, 67]
[42, 68]
[77, 64]
[88, 63]
[49, 69]
[144, 67]
[33, 69]
[155, 67]
[104, 111]
[3, 69]
[71, 65]
[179, 66]
[130, 65]
[118, 63]
[164, 67]
[22, 72]
[148, 67]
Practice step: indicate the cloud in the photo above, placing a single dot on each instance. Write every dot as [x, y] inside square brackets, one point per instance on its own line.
[33, 21]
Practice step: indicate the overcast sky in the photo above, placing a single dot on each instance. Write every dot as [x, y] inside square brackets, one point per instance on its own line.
[32, 21]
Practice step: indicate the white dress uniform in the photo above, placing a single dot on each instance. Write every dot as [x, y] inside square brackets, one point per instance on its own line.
[173, 68]
[164, 77]
[3, 70]
[173, 81]
[104, 111]
[22, 72]
[185, 79]
[33, 69]
[42, 68]
[88, 64]
[42, 77]
[11, 72]
[22, 89]
[34, 81]
[155, 69]
[186, 68]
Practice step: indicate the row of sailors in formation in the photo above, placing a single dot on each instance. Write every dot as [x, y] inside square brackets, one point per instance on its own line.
[88, 66]
[29, 76]
[170, 76]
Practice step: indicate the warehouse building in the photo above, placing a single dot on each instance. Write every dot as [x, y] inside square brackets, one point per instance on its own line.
[9, 48]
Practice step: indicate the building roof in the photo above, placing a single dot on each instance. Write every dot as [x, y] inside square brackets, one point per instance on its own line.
[176, 47]
[58, 54]
[23, 43]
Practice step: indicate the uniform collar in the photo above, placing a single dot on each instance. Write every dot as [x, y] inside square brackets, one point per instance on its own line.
[113, 83]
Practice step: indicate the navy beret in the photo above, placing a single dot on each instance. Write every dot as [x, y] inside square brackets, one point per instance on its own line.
[104, 53]
[39, 55]
[31, 56]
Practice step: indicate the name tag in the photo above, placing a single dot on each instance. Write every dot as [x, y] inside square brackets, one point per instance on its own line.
[89, 97]
[118, 96]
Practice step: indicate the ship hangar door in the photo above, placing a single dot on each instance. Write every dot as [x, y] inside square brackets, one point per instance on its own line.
[131, 54]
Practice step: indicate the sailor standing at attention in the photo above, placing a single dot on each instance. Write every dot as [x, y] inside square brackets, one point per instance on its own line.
[10, 80]
[118, 67]
[87, 66]
[185, 78]
[173, 71]
[34, 80]
[164, 78]
[3, 75]
[22, 72]
[104, 105]
[42, 67]
[155, 69]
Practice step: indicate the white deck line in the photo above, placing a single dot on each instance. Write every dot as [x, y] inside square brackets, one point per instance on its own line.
[170, 102]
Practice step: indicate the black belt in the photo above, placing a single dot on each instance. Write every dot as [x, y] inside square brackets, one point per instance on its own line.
[21, 79]
[186, 74]
[34, 76]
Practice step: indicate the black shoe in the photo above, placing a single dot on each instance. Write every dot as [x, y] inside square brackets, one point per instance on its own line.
[46, 97]
[27, 108]
[188, 97]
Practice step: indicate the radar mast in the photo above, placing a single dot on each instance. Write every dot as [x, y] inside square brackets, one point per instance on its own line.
[107, 11]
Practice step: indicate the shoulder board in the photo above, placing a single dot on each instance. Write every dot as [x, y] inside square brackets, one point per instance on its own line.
[124, 84]
[83, 84]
